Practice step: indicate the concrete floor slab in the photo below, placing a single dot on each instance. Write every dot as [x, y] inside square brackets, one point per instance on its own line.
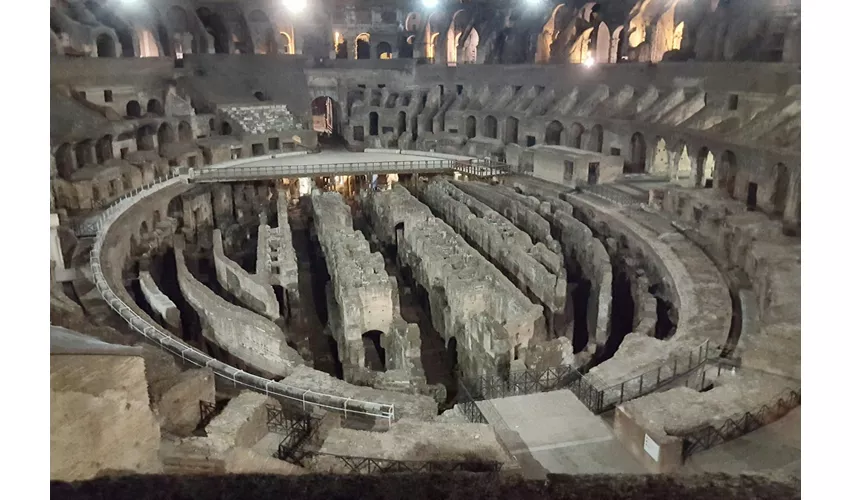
[561, 435]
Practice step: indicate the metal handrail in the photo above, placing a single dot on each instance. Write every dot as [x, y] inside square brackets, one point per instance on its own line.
[168, 342]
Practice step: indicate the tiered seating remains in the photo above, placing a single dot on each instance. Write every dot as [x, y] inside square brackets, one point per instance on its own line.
[264, 119]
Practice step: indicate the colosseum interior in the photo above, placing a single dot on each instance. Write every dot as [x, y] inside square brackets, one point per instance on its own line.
[522, 237]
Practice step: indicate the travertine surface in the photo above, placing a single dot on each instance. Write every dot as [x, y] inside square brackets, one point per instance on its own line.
[253, 291]
[247, 335]
[470, 299]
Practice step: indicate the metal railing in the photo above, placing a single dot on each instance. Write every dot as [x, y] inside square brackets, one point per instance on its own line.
[367, 465]
[480, 168]
[710, 435]
[297, 430]
[153, 333]
[596, 396]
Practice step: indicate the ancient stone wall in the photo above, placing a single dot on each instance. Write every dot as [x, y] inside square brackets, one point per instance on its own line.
[244, 334]
[100, 417]
[363, 292]
[470, 300]
[251, 290]
[497, 238]
[162, 305]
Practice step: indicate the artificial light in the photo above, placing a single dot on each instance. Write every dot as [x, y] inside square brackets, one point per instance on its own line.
[589, 62]
[295, 6]
[430, 4]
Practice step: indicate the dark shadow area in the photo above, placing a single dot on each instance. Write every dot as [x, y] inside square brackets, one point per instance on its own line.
[622, 313]
[468, 486]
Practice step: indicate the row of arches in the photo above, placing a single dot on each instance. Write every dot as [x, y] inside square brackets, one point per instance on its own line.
[134, 110]
[206, 30]
[362, 47]
[71, 157]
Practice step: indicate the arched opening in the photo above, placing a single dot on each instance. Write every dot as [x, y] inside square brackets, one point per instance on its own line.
[375, 358]
[165, 135]
[226, 129]
[363, 46]
[430, 48]
[727, 173]
[574, 139]
[580, 49]
[184, 132]
[83, 152]
[617, 44]
[215, 27]
[490, 127]
[155, 107]
[469, 51]
[103, 149]
[145, 138]
[405, 49]
[470, 126]
[596, 139]
[781, 184]
[64, 160]
[459, 21]
[105, 46]
[705, 168]
[286, 44]
[683, 166]
[175, 208]
[401, 125]
[413, 22]
[512, 130]
[134, 109]
[143, 229]
[660, 158]
[340, 46]
[547, 36]
[260, 96]
[373, 123]
[637, 156]
[553, 133]
[147, 43]
[385, 51]
[122, 30]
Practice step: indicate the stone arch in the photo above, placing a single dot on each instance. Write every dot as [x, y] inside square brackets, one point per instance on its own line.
[384, 50]
[596, 139]
[155, 106]
[781, 189]
[165, 134]
[683, 165]
[64, 157]
[600, 43]
[184, 132]
[143, 229]
[580, 49]
[105, 46]
[134, 109]
[103, 149]
[266, 42]
[216, 27]
[459, 20]
[491, 127]
[615, 49]
[554, 131]
[148, 45]
[547, 36]
[470, 126]
[637, 154]
[375, 357]
[145, 138]
[511, 130]
[340, 47]
[363, 46]
[413, 22]
[660, 158]
[575, 134]
[704, 175]
[226, 128]
[469, 51]
[123, 31]
[286, 44]
[727, 173]
[83, 153]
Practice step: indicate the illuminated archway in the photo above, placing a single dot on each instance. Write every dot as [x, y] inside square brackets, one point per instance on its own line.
[384, 50]
[363, 46]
